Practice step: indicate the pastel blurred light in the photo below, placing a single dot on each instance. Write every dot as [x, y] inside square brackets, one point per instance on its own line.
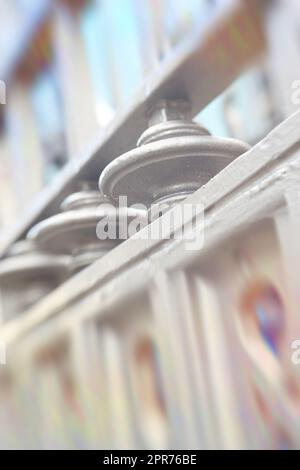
[20, 16]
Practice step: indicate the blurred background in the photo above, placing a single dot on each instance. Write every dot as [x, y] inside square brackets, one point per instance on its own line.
[70, 65]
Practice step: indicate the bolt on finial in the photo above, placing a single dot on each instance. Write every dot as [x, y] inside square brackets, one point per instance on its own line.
[169, 119]
[168, 110]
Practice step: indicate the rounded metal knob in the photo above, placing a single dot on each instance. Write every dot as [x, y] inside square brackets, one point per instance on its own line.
[74, 230]
[26, 261]
[174, 158]
[27, 274]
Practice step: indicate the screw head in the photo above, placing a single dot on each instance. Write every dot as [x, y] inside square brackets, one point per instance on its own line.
[168, 110]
